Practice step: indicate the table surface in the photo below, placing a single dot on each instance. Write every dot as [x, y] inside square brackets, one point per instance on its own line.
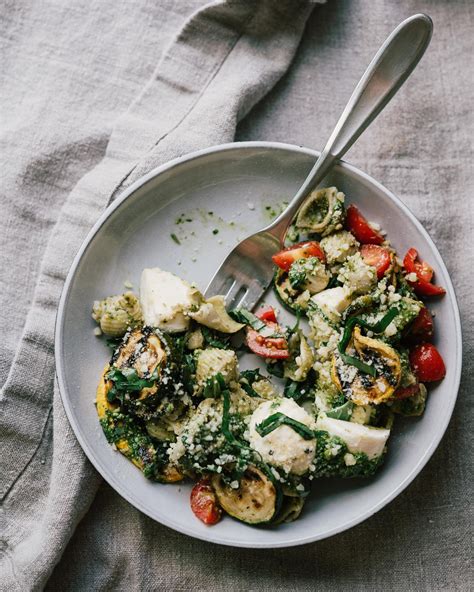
[420, 148]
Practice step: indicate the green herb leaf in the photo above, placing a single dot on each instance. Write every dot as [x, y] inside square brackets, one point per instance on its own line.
[175, 238]
[277, 419]
[127, 381]
[247, 378]
[299, 391]
[378, 327]
[243, 315]
[214, 386]
[342, 412]
[276, 368]
[214, 339]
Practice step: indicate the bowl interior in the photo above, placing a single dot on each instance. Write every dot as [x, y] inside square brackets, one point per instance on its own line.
[209, 202]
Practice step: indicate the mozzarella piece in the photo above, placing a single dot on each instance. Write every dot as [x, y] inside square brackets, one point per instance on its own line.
[358, 438]
[283, 447]
[165, 299]
[333, 301]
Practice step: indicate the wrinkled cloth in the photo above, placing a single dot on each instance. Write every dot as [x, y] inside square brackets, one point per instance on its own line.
[224, 59]
[420, 147]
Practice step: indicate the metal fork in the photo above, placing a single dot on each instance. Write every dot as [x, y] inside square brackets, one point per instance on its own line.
[246, 273]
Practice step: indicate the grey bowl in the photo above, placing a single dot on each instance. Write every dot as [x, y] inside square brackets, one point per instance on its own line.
[240, 184]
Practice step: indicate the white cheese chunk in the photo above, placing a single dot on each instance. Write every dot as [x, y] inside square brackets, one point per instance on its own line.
[165, 299]
[283, 447]
[333, 301]
[358, 438]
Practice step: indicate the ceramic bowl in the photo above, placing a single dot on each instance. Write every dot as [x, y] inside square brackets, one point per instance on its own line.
[228, 192]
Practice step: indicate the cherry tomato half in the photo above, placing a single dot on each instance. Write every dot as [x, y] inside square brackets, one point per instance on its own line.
[303, 250]
[422, 286]
[204, 503]
[407, 392]
[427, 363]
[361, 229]
[378, 257]
[422, 328]
[275, 348]
[266, 313]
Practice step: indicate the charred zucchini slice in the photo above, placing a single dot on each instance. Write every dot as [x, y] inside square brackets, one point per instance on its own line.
[361, 388]
[290, 509]
[133, 442]
[255, 501]
[144, 351]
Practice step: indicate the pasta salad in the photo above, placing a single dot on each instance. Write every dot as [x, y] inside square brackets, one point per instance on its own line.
[321, 396]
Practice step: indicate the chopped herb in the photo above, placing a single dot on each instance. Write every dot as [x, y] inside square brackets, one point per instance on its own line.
[277, 419]
[299, 391]
[276, 368]
[243, 315]
[342, 412]
[175, 238]
[127, 381]
[215, 338]
[214, 386]
[113, 342]
[247, 378]
[215, 231]
[378, 327]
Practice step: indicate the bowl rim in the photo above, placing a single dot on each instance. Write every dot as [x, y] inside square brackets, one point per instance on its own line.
[60, 371]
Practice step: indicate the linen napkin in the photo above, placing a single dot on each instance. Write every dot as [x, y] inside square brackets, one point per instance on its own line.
[227, 55]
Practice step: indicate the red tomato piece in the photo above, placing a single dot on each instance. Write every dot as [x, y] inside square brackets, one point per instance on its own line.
[204, 503]
[412, 263]
[303, 250]
[361, 229]
[407, 392]
[266, 313]
[378, 257]
[268, 347]
[427, 363]
[422, 328]
[424, 272]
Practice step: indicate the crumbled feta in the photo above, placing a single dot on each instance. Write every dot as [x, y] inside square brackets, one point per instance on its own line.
[391, 329]
[411, 277]
[357, 276]
[349, 460]
[212, 361]
[338, 246]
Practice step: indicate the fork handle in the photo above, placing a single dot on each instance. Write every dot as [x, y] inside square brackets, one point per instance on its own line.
[387, 72]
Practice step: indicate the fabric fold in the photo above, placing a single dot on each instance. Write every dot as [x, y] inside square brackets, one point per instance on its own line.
[227, 56]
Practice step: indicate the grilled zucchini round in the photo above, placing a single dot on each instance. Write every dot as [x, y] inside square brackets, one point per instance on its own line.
[255, 501]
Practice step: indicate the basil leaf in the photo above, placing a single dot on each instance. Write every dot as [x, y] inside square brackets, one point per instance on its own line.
[214, 386]
[221, 340]
[299, 391]
[247, 378]
[359, 364]
[378, 327]
[343, 412]
[277, 419]
[276, 368]
[243, 315]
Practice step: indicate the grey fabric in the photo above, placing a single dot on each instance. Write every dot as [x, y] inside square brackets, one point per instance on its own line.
[223, 60]
[421, 148]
